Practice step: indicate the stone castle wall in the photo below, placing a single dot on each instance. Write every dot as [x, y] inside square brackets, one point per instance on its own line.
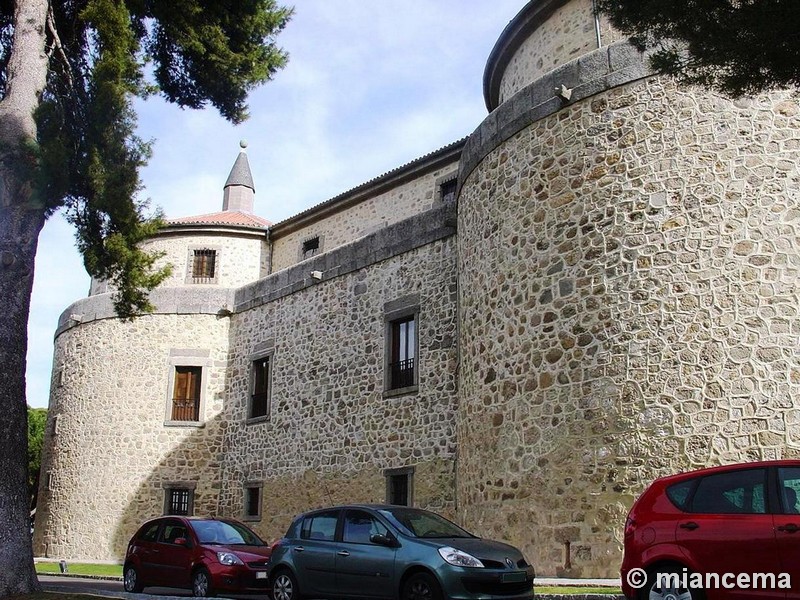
[642, 250]
[333, 430]
[343, 227]
[109, 450]
[241, 259]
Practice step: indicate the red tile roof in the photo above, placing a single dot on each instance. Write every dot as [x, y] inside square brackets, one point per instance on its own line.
[227, 217]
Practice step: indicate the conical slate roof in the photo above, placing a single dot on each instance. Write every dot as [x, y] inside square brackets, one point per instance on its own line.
[240, 173]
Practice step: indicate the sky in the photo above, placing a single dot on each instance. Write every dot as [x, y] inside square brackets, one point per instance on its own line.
[370, 85]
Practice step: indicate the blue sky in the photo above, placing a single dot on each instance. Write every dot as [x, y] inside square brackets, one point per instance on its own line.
[370, 85]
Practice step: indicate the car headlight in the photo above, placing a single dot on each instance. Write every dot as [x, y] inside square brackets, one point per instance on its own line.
[229, 558]
[459, 558]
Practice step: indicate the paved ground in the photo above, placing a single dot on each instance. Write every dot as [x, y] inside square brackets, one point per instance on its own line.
[113, 587]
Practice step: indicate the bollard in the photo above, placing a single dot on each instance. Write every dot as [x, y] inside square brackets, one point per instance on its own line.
[62, 564]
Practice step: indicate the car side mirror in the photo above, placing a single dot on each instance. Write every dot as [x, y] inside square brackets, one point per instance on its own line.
[181, 542]
[382, 540]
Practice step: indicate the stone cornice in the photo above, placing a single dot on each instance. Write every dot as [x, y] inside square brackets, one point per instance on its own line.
[590, 74]
[414, 232]
[516, 32]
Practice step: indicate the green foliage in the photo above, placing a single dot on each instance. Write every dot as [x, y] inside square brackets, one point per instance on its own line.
[737, 47]
[37, 420]
[87, 156]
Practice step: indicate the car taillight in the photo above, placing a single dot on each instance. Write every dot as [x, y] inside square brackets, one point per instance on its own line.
[630, 527]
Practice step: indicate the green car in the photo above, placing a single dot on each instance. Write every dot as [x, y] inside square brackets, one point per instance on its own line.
[386, 551]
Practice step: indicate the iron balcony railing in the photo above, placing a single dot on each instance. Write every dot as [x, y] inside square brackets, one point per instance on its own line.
[401, 373]
[185, 409]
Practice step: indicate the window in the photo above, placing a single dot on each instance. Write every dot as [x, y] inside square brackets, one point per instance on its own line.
[402, 352]
[172, 531]
[737, 492]
[149, 534]
[399, 486]
[789, 490]
[259, 399]
[310, 247]
[179, 501]
[360, 526]
[252, 502]
[186, 393]
[204, 266]
[447, 190]
[321, 526]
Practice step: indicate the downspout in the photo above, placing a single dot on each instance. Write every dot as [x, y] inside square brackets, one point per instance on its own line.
[596, 24]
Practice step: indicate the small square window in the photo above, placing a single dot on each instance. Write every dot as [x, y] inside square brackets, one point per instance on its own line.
[400, 486]
[310, 247]
[252, 502]
[186, 393]
[179, 501]
[204, 266]
[259, 399]
[447, 191]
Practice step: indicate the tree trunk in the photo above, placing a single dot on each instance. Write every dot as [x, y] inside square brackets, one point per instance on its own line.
[21, 219]
[19, 233]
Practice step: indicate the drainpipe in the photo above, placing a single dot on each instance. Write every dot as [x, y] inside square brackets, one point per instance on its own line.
[596, 24]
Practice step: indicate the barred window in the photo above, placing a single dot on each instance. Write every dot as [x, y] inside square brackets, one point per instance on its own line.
[310, 247]
[179, 501]
[204, 266]
[447, 191]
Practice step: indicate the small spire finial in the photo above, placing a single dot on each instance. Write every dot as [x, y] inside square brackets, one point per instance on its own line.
[243, 144]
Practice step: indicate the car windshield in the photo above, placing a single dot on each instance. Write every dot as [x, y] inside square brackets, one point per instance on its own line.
[225, 533]
[423, 524]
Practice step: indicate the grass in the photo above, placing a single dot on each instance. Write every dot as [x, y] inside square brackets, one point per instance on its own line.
[56, 596]
[576, 589]
[81, 569]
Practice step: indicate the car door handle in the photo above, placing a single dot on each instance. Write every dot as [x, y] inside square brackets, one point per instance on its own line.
[691, 525]
[343, 553]
[789, 528]
[298, 548]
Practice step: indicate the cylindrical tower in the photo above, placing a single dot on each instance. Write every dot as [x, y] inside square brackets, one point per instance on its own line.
[628, 280]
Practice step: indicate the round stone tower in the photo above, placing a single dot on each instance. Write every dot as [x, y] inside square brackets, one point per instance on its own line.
[135, 407]
[629, 291]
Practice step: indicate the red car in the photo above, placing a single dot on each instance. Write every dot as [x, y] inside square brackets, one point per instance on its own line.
[725, 532]
[205, 555]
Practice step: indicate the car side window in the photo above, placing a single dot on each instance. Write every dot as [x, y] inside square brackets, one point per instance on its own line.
[149, 534]
[321, 526]
[359, 526]
[678, 493]
[789, 490]
[172, 531]
[735, 492]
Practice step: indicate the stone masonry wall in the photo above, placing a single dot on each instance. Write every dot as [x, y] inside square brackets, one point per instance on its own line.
[567, 34]
[401, 202]
[108, 451]
[629, 290]
[241, 259]
[332, 430]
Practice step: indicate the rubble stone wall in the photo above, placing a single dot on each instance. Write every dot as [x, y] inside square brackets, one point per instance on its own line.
[641, 255]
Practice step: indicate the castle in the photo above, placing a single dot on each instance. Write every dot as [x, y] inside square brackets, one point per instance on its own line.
[519, 330]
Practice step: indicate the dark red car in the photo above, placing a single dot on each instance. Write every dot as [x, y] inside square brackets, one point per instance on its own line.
[725, 532]
[204, 555]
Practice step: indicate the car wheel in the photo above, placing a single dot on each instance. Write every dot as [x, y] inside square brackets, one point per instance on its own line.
[668, 587]
[421, 586]
[284, 586]
[201, 584]
[131, 580]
